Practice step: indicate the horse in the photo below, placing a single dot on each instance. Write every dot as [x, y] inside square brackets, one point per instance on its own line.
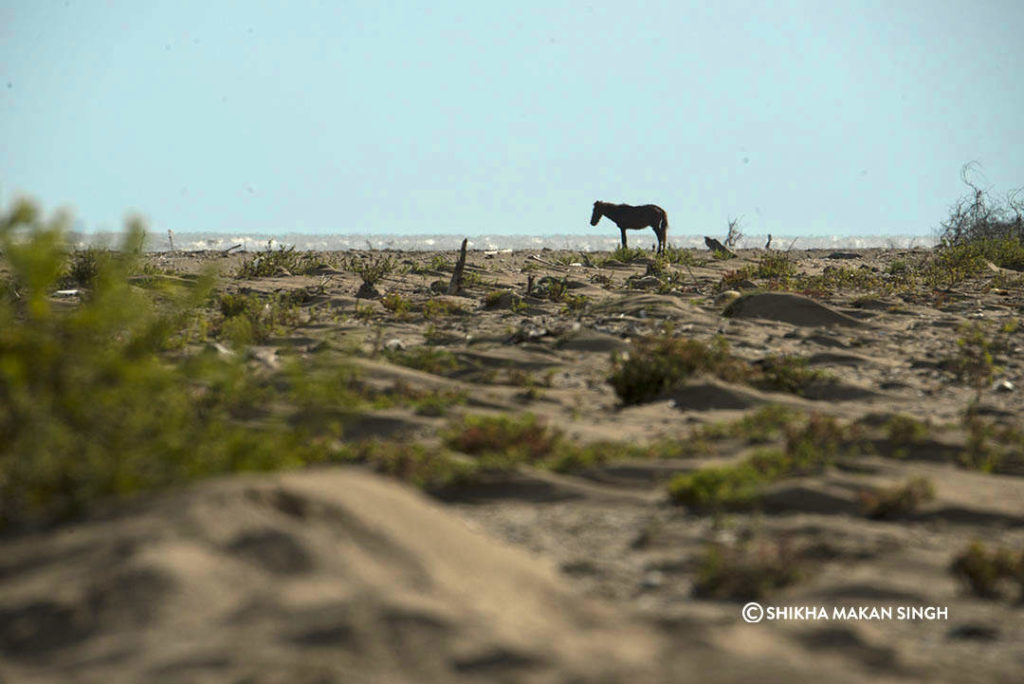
[628, 217]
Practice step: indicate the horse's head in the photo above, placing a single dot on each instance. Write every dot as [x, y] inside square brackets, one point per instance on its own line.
[596, 216]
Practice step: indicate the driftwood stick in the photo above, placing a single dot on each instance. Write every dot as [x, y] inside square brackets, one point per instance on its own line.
[228, 250]
[716, 246]
[455, 286]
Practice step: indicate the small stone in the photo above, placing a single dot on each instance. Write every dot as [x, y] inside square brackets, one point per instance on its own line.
[1003, 386]
[394, 344]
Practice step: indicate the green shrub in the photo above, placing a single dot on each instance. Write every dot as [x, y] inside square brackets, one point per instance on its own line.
[658, 364]
[281, 261]
[897, 501]
[90, 406]
[747, 571]
[788, 374]
[503, 438]
[372, 268]
[425, 358]
[989, 574]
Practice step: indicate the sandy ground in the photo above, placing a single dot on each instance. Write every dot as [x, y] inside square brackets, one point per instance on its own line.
[337, 575]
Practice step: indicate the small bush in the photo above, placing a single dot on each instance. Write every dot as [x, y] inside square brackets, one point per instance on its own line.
[396, 304]
[281, 261]
[884, 504]
[90, 404]
[430, 469]
[903, 430]
[977, 217]
[990, 574]
[658, 364]
[788, 374]
[427, 359]
[748, 571]
[371, 268]
[503, 438]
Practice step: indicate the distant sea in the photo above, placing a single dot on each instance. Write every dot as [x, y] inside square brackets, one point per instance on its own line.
[159, 242]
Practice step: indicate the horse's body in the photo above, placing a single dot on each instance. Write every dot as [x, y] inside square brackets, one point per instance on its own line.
[628, 217]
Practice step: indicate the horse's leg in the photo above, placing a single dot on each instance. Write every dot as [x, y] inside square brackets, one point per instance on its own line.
[623, 231]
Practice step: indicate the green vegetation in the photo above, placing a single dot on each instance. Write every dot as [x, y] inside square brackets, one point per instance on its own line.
[250, 318]
[372, 268]
[437, 307]
[281, 261]
[895, 502]
[503, 439]
[396, 304]
[808, 449]
[747, 571]
[973, 361]
[660, 363]
[92, 404]
[425, 358]
[990, 574]
[783, 373]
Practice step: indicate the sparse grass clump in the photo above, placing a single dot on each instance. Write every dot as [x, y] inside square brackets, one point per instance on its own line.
[766, 424]
[430, 469]
[788, 374]
[437, 307]
[503, 439]
[628, 255]
[990, 574]
[249, 318]
[658, 364]
[747, 571]
[809, 448]
[425, 358]
[371, 268]
[894, 502]
[396, 304]
[281, 261]
[904, 430]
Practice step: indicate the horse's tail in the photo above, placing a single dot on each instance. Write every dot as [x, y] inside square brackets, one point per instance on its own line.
[663, 225]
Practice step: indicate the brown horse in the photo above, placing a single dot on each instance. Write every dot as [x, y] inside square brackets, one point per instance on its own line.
[628, 217]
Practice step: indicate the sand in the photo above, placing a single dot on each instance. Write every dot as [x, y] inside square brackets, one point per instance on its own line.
[339, 575]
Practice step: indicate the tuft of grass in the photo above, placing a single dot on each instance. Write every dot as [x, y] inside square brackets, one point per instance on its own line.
[281, 261]
[766, 424]
[249, 318]
[431, 469]
[438, 308]
[895, 502]
[396, 304]
[788, 374]
[904, 430]
[371, 268]
[973, 362]
[808, 449]
[658, 364]
[503, 439]
[747, 571]
[425, 358]
[989, 574]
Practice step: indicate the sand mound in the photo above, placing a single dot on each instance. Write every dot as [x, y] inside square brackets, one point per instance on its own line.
[789, 308]
[709, 394]
[332, 575]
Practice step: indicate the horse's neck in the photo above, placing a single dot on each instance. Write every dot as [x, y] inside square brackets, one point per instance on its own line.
[614, 211]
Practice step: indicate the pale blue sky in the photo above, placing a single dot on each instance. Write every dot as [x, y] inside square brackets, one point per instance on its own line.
[804, 117]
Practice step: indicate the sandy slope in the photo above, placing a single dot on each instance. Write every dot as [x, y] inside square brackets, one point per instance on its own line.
[335, 575]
